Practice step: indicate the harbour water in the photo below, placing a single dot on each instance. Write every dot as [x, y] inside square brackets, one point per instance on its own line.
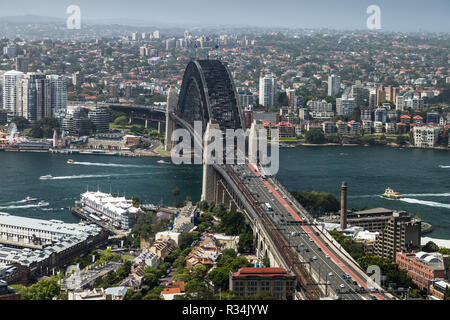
[422, 176]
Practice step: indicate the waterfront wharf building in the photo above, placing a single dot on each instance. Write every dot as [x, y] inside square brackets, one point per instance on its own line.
[41, 246]
[118, 211]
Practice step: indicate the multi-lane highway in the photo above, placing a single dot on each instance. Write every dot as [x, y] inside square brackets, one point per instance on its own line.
[330, 268]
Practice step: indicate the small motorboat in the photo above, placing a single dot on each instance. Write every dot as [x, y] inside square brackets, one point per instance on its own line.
[46, 177]
[43, 204]
[27, 199]
[70, 161]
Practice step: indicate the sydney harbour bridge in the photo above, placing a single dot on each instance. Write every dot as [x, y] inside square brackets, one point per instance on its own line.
[287, 234]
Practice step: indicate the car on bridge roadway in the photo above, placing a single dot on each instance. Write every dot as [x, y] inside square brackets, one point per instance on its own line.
[330, 274]
[314, 258]
[342, 286]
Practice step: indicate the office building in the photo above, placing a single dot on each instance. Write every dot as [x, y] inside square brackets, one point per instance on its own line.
[380, 115]
[328, 127]
[22, 64]
[277, 282]
[381, 95]
[58, 95]
[433, 117]
[77, 78]
[292, 99]
[391, 93]
[128, 90]
[170, 43]
[345, 106]
[267, 90]
[423, 267]
[366, 114]
[319, 106]
[11, 81]
[400, 103]
[426, 137]
[76, 123]
[245, 100]
[10, 51]
[372, 99]
[100, 119]
[396, 231]
[112, 90]
[3, 117]
[334, 85]
[367, 126]
[34, 97]
[143, 51]
[361, 96]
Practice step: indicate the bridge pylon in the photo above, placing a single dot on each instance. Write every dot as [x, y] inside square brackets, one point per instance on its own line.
[172, 101]
[253, 142]
[209, 183]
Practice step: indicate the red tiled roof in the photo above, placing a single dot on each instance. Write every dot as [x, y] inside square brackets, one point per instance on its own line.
[171, 290]
[261, 271]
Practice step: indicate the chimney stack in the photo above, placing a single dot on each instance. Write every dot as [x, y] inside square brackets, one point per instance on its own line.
[344, 206]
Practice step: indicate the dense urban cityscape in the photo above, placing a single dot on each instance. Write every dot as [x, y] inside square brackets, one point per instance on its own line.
[108, 98]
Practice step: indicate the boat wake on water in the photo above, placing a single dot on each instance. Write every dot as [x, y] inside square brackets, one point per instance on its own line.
[27, 199]
[38, 205]
[426, 203]
[427, 195]
[89, 176]
[101, 164]
[444, 167]
[405, 195]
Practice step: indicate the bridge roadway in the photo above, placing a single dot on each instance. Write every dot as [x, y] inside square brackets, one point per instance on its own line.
[152, 108]
[325, 262]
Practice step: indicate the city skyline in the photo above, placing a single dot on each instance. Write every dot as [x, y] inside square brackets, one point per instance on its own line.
[341, 15]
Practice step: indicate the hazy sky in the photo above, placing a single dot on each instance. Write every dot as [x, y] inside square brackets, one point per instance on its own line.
[396, 15]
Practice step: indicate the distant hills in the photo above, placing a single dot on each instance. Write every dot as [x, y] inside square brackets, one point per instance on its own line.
[31, 19]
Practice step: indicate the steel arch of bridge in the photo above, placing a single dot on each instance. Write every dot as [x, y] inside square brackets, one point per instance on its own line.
[208, 94]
